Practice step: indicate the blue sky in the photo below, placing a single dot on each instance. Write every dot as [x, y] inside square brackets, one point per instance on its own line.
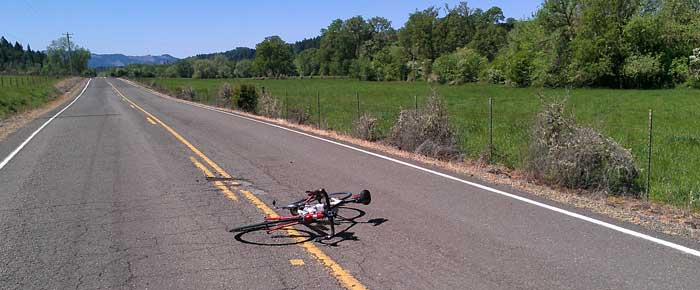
[185, 28]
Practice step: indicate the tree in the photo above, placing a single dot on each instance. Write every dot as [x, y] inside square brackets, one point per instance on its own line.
[60, 62]
[244, 69]
[463, 65]
[390, 64]
[224, 67]
[204, 69]
[274, 57]
[599, 50]
[417, 37]
[455, 30]
[16, 59]
[306, 62]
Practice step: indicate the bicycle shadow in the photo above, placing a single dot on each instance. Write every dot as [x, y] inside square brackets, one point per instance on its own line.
[346, 219]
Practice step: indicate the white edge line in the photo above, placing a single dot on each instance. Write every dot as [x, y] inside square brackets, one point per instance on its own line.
[13, 153]
[675, 246]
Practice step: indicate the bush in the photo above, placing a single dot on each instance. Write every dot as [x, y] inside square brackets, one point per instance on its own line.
[186, 93]
[519, 69]
[269, 106]
[247, 97]
[365, 127]
[563, 153]
[463, 65]
[494, 76]
[643, 71]
[298, 115]
[694, 69]
[225, 95]
[426, 131]
[679, 70]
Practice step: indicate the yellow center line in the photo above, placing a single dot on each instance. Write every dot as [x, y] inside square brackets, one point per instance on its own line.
[201, 167]
[150, 120]
[344, 277]
[220, 185]
[177, 135]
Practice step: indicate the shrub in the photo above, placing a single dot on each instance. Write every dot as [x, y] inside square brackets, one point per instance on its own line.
[494, 76]
[426, 131]
[247, 97]
[186, 93]
[225, 95]
[679, 70]
[563, 153]
[365, 127]
[694, 69]
[463, 65]
[269, 106]
[519, 69]
[644, 71]
[298, 115]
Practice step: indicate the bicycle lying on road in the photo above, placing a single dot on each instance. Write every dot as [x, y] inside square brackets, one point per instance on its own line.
[318, 206]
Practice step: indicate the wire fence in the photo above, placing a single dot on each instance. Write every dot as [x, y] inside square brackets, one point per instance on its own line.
[500, 128]
[19, 81]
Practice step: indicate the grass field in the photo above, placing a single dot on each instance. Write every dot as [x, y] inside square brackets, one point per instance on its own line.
[20, 93]
[620, 114]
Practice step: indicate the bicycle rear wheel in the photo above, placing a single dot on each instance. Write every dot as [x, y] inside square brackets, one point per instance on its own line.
[258, 226]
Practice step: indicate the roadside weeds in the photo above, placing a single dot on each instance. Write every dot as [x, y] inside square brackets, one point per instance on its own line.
[68, 88]
[653, 216]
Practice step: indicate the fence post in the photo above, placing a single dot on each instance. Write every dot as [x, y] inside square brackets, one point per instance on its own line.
[357, 97]
[490, 129]
[415, 99]
[318, 106]
[651, 127]
[286, 104]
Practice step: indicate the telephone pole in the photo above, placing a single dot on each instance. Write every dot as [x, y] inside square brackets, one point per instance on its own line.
[70, 54]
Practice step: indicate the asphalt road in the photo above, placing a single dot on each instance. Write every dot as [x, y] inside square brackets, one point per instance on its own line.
[107, 196]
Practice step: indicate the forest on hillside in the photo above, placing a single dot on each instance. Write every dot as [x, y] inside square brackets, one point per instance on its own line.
[566, 43]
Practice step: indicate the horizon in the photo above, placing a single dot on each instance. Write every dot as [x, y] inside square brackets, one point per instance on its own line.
[159, 27]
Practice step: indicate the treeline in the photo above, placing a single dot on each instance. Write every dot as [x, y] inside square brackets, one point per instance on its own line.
[60, 58]
[16, 59]
[616, 43]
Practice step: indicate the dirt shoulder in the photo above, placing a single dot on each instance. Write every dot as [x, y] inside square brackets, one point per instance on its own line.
[654, 216]
[67, 88]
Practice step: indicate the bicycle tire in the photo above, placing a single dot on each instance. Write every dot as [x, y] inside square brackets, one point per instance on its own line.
[338, 195]
[257, 226]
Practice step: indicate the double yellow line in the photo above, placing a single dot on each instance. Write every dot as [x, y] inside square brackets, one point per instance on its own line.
[343, 276]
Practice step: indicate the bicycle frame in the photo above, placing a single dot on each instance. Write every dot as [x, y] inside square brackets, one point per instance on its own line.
[328, 212]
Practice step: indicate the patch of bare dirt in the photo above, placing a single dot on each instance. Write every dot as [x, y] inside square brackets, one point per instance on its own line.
[654, 216]
[67, 88]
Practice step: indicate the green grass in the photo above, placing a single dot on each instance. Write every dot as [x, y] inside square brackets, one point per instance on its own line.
[620, 114]
[20, 93]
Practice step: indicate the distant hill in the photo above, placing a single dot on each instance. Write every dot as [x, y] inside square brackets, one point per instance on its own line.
[239, 53]
[112, 60]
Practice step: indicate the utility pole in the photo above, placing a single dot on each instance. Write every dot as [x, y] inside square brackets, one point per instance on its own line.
[70, 54]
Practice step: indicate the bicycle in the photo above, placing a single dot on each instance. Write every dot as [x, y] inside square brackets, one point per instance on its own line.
[317, 206]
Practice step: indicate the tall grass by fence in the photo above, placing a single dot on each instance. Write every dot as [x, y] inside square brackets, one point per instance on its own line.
[502, 130]
[22, 92]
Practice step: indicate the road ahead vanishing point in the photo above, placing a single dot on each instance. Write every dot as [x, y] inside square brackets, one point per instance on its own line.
[113, 193]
